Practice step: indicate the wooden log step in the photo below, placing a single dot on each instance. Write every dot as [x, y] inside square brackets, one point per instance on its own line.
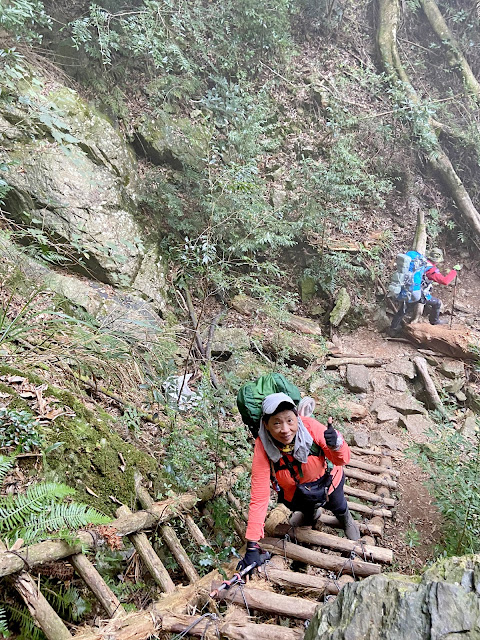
[146, 552]
[97, 585]
[269, 601]
[371, 511]
[316, 585]
[334, 363]
[372, 468]
[148, 624]
[368, 529]
[362, 451]
[366, 477]
[195, 531]
[367, 495]
[310, 536]
[179, 553]
[158, 513]
[319, 559]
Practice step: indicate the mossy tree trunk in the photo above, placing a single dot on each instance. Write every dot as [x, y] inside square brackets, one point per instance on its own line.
[389, 14]
[455, 57]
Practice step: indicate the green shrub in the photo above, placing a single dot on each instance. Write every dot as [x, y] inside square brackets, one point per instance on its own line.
[453, 463]
[19, 429]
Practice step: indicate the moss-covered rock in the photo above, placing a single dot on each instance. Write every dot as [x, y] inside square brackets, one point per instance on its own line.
[73, 180]
[90, 453]
[169, 139]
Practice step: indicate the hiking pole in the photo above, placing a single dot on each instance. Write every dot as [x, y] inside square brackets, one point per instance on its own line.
[454, 294]
[238, 577]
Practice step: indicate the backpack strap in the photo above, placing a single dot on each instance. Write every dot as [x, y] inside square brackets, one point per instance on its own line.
[294, 467]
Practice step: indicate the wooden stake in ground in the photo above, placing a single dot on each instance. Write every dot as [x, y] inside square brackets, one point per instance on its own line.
[42, 613]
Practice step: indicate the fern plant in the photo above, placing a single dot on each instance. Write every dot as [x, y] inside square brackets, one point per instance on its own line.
[40, 512]
[4, 631]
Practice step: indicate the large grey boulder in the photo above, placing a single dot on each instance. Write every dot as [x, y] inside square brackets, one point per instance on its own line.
[443, 605]
[358, 378]
[73, 181]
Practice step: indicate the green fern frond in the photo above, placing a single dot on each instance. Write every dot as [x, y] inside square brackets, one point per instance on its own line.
[6, 463]
[28, 628]
[16, 510]
[3, 623]
[59, 517]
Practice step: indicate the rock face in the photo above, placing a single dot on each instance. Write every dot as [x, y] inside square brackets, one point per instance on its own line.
[341, 308]
[72, 180]
[443, 605]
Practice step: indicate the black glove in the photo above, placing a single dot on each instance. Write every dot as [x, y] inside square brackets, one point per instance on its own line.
[330, 435]
[254, 555]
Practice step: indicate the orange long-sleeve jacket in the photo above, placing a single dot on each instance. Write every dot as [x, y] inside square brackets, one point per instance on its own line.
[313, 469]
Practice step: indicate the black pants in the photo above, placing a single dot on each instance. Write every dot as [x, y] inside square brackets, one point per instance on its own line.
[434, 312]
[336, 503]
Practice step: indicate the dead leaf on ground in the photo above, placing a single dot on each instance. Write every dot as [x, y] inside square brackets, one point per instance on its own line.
[14, 379]
[91, 492]
[5, 395]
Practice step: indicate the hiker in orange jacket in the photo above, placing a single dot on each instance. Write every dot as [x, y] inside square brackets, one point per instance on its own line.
[291, 452]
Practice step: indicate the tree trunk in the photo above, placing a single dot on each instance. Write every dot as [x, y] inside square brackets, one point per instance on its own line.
[455, 57]
[389, 13]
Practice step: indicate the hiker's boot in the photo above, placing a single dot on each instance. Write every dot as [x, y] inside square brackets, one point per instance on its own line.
[349, 525]
[439, 321]
[297, 519]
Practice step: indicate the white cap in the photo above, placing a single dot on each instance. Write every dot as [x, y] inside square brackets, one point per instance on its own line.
[271, 402]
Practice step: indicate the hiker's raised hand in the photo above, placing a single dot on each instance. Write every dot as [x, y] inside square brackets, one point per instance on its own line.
[330, 434]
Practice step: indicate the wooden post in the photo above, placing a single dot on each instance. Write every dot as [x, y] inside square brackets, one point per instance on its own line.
[320, 539]
[97, 585]
[179, 553]
[195, 531]
[318, 559]
[40, 610]
[155, 566]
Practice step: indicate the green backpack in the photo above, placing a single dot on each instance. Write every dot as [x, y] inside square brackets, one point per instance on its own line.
[251, 395]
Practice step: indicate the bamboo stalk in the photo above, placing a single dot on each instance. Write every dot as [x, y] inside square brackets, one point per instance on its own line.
[97, 585]
[365, 477]
[310, 536]
[318, 559]
[154, 565]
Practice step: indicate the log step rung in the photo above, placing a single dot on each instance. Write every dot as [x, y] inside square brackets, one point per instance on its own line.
[371, 468]
[370, 478]
[367, 495]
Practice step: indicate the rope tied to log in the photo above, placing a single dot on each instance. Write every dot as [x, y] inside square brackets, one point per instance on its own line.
[212, 619]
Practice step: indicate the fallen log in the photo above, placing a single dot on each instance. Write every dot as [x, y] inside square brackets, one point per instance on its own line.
[316, 585]
[458, 342]
[365, 452]
[179, 553]
[146, 624]
[367, 495]
[333, 363]
[373, 468]
[268, 601]
[421, 365]
[319, 559]
[195, 531]
[248, 306]
[158, 513]
[365, 477]
[318, 538]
